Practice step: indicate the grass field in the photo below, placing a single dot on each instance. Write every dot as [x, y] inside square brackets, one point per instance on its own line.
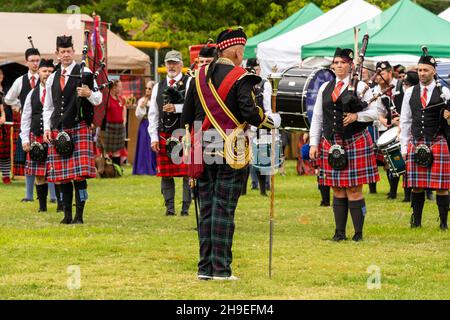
[128, 249]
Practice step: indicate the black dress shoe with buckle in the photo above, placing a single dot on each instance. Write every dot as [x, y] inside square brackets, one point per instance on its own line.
[184, 213]
[170, 213]
[358, 236]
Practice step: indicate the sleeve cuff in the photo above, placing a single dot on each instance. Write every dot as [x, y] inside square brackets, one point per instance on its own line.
[154, 137]
[178, 108]
[267, 123]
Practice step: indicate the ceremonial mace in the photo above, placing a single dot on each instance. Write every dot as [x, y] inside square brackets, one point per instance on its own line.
[274, 79]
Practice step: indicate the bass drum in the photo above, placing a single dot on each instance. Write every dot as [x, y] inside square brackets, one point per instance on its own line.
[297, 93]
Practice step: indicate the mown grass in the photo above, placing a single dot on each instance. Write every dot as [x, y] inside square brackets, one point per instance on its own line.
[128, 249]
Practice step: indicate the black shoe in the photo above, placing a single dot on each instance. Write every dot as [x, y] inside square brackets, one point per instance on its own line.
[26, 200]
[406, 200]
[52, 200]
[78, 220]
[324, 204]
[184, 213]
[339, 236]
[358, 236]
[254, 188]
[391, 196]
[413, 223]
[66, 220]
[430, 196]
[443, 226]
[263, 194]
[42, 210]
[170, 213]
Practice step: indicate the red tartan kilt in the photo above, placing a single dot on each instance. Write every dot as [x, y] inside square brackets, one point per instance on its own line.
[5, 142]
[80, 165]
[35, 168]
[436, 177]
[164, 166]
[361, 168]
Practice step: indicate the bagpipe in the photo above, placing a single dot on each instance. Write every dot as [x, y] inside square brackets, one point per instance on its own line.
[171, 120]
[352, 103]
[84, 110]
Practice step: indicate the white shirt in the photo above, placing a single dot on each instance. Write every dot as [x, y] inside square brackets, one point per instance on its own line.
[406, 115]
[95, 99]
[153, 112]
[367, 115]
[25, 122]
[12, 97]
[380, 106]
[141, 110]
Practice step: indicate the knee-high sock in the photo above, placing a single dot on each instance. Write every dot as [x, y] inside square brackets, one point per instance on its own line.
[407, 194]
[373, 187]
[29, 187]
[393, 183]
[358, 213]
[116, 160]
[325, 193]
[443, 203]
[261, 181]
[5, 167]
[52, 191]
[417, 203]
[81, 196]
[67, 196]
[340, 209]
[42, 191]
[59, 197]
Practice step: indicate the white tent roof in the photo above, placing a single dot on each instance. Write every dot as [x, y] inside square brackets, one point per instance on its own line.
[285, 50]
[44, 28]
[445, 14]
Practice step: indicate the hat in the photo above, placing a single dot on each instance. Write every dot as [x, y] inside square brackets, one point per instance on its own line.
[428, 60]
[346, 54]
[383, 65]
[207, 51]
[411, 78]
[46, 63]
[31, 52]
[399, 68]
[173, 55]
[252, 62]
[64, 42]
[230, 37]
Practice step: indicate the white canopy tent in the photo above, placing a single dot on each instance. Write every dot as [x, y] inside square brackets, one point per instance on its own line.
[445, 14]
[285, 50]
[44, 28]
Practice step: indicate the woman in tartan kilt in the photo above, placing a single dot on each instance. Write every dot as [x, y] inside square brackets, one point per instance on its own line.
[61, 114]
[423, 121]
[339, 121]
[219, 184]
[114, 134]
[32, 130]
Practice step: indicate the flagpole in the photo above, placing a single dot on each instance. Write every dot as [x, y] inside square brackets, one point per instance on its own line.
[274, 79]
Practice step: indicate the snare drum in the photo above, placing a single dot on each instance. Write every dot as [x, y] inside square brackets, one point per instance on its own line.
[262, 150]
[297, 93]
[389, 145]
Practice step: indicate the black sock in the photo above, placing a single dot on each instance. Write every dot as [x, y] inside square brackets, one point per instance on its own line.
[325, 193]
[393, 183]
[80, 198]
[407, 194]
[417, 203]
[358, 212]
[443, 203]
[67, 192]
[373, 187]
[340, 209]
[42, 192]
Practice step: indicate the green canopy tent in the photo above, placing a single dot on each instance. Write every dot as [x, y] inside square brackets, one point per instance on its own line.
[400, 30]
[304, 15]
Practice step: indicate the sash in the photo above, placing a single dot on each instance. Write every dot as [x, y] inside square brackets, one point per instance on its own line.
[212, 101]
